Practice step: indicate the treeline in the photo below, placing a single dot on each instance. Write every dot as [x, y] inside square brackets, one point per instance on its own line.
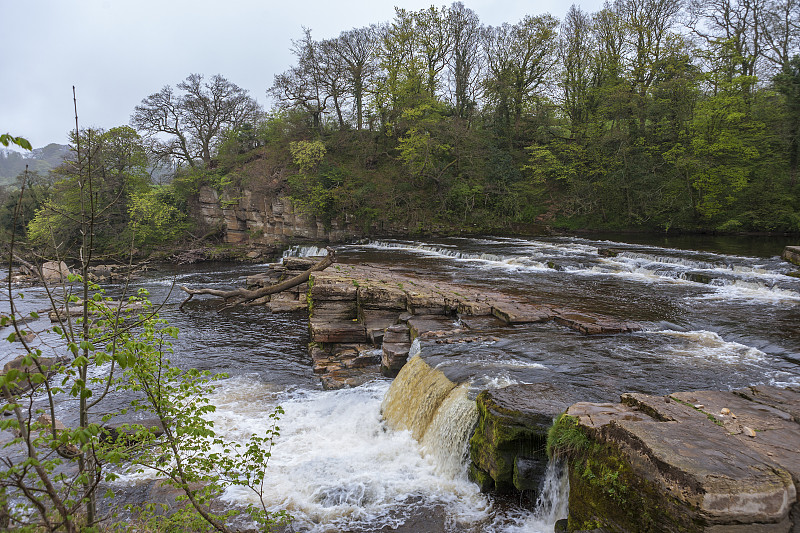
[649, 114]
[653, 114]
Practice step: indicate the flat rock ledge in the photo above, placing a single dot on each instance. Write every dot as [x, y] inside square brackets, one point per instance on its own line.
[702, 461]
[364, 318]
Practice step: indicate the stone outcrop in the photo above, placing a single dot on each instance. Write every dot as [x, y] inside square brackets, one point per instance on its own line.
[703, 461]
[381, 311]
[264, 218]
[792, 254]
[508, 446]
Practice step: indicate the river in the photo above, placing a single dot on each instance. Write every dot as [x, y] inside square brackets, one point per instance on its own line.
[717, 314]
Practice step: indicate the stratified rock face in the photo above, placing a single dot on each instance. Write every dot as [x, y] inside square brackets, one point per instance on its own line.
[690, 462]
[258, 218]
[508, 446]
[792, 254]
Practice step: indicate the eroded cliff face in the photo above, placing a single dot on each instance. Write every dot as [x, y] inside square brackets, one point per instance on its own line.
[261, 218]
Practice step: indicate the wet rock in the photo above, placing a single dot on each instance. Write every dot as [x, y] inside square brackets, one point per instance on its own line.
[327, 286]
[335, 310]
[394, 356]
[608, 252]
[337, 331]
[127, 431]
[473, 308]
[591, 324]
[517, 313]
[430, 324]
[398, 333]
[347, 378]
[682, 465]
[27, 369]
[287, 302]
[376, 322]
[426, 303]
[378, 295]
[792, 254]
[509, 441]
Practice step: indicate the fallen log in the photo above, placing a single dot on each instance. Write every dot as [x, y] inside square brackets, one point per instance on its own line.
[242, 296]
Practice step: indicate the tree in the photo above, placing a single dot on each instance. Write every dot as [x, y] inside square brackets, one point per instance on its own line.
[519, 59]
[465, 61]
[193, 118]
[304, 85]
[54, 473]
[117, 164]
[356, 50]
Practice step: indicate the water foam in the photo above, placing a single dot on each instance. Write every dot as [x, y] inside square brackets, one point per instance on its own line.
[336, 466]
[710, 346]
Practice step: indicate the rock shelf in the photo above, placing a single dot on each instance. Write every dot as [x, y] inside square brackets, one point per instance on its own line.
[362, 313]
[698, 461]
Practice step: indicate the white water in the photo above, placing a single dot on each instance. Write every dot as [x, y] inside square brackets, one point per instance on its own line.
[728, 277]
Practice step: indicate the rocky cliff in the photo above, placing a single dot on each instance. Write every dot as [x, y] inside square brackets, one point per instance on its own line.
[263, 218]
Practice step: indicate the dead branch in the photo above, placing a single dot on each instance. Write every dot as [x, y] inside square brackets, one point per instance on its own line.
[243, 296]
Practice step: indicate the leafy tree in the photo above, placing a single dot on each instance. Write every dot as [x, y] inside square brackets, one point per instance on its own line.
[117, 163]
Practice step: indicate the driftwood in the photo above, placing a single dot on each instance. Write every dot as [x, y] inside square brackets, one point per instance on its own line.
[243, 296]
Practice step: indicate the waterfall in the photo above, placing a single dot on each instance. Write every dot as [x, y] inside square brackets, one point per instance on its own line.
[449, 431]
[553, 500]
[414, 396]
[436, 411]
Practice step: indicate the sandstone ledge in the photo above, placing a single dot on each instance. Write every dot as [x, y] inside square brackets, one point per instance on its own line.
[692, 461]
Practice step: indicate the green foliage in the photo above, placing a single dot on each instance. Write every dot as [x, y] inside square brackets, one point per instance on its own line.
[7, 139]
[307, 155]
[155, 216]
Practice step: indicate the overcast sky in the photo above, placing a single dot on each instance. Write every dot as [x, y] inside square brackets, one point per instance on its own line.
[117, 52]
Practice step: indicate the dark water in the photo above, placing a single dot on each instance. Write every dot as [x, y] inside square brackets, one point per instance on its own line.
[717, 314]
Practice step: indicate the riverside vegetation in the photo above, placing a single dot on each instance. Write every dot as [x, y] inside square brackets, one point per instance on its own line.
[646, 115]
[97, 353]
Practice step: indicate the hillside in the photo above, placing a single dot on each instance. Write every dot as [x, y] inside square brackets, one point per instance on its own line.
[44, 159]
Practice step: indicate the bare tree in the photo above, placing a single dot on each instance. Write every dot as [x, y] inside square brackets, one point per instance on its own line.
[781, 32]
[304, 85]
[186, 124]
[732, 27]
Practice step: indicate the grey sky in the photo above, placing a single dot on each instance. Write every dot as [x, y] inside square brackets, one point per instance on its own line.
[117, 52]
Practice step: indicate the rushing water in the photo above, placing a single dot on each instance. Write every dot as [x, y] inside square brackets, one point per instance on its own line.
[716, 315]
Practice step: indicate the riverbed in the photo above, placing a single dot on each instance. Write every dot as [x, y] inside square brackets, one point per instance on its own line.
[716, 314]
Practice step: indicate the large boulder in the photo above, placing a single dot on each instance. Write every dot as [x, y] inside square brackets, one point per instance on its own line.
[55, 271]
[792, 254]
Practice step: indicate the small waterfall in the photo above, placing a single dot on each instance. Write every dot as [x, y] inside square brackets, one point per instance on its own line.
[305, 251]
[552, 503]
[438, 413]
[449, 431]
[414, 396]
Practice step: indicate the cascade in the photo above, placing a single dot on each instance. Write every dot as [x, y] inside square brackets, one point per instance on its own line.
[414, 396]
[448, 433]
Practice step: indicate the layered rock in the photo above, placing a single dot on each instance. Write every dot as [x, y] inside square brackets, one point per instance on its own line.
[264, 218]
[693, 461]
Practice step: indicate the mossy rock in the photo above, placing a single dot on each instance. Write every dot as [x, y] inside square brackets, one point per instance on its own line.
[509, 440]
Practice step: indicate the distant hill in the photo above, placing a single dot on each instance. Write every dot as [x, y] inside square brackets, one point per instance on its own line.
[12, 163]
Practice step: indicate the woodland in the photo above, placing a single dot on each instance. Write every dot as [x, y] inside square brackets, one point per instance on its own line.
[647, 115]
